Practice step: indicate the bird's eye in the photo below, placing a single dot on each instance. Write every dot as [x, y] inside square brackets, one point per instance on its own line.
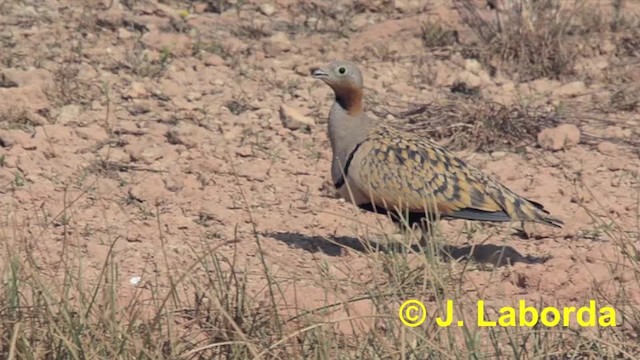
[342, 70]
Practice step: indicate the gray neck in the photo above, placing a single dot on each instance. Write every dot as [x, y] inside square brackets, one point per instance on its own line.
[345, 132]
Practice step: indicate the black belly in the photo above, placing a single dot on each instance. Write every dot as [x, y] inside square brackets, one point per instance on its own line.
[411, 217]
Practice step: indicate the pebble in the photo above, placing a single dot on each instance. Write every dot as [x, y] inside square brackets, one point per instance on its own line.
[561, 137]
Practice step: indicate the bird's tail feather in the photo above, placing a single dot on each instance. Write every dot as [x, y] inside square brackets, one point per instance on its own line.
[522, 209]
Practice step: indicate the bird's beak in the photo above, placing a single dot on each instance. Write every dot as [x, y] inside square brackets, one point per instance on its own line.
[319, 73]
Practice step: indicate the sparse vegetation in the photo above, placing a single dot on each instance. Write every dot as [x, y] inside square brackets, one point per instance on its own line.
[207, 309]
[475, 123]
[536, 38]
[16, 118]
[435, 34]
[68, 88]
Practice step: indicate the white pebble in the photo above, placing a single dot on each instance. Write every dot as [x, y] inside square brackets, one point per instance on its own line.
[135, 281]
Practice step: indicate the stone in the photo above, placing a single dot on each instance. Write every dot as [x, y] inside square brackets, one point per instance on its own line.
[144, 153]
[68, 114]
[561, 137]
[607, 148]
[136, 90]
[571, 89]
[293, 119]
[213, 60]
[6, 140]
[267, 9]
[276, 44]
[194, 96]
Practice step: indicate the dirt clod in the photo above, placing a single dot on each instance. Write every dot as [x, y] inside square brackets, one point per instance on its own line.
[293, 119]
[561, 137]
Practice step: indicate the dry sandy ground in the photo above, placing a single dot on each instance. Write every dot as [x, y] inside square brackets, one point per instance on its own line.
[160, 127]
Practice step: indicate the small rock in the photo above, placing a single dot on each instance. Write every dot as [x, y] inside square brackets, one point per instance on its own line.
[561, 137]
[213, 60]
[139, 108]
[186, 134]
[158, 94]
[112, 18]
[144, 153]
[244, 151]
[252, 172]
[358, 22]
[173, 184]
[5, 82]
[233, 133]
[181, 222]
[554, 161]
[311, 22]
[571, 89]
[149, 190]
[207, 166]
[267, 9]
[408, 6]
[194, 96]
[178, 44]
[134, 236]
[277, 44]
[92, 132]
[135, 280]
[542, 85]
[302, 70]
[210, 213]
[293, 119]
[607, 148]
[136, 90]
[498, 154]
[36, 119]
[124, 34]
[472, 80]
[616, 165]
[607, 47]
[68, 113]
[6, 140]
[617, 132]
[26, 11]
[473, 65]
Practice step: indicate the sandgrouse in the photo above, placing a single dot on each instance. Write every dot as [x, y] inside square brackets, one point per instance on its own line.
[385, 170]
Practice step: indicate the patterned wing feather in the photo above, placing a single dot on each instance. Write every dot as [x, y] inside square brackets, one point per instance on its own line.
[404, 172]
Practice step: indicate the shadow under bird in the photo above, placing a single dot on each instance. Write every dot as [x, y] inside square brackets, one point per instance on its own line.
[385, 170]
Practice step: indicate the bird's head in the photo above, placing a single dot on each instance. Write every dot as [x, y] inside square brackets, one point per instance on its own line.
[345, 79]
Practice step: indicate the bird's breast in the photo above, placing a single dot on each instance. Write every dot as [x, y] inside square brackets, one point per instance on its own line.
[346, 186]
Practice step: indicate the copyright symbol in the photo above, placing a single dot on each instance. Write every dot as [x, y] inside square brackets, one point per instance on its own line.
[412, 313]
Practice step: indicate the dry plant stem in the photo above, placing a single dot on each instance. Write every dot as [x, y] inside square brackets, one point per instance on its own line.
[261, 253]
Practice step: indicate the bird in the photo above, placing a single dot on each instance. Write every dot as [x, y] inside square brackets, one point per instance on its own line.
[382, 169]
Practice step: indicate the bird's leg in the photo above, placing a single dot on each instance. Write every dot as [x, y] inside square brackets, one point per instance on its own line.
[428, 243]
[525, 231]
[425, 233]
[412, 229]
[402, 240]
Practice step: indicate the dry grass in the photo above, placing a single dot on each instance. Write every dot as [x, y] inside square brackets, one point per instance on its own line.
[476, 124]
[16, 118]
[207, 310]
[536, 39]
[435, 35]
